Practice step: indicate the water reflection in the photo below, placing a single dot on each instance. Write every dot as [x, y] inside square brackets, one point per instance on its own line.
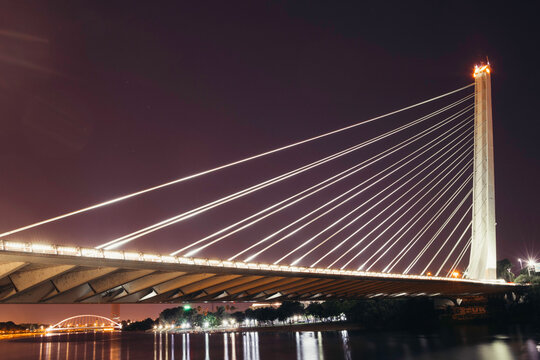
[160, 347]
[206, 347]
[495, 350]
[166, 346]
[155, 346]
[48, 351]
[67, 347]
[172, 347]
[250, 342]
[58, 351]
[345, 344]
[448, 344]
[309, 346]
[94, 348]
[225, 347]
[81, 346]
[85, 343]
[233, 346]
[533, 349]
[185, 346]
[163, 347]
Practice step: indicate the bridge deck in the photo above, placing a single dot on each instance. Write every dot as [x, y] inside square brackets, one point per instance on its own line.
[55, 274]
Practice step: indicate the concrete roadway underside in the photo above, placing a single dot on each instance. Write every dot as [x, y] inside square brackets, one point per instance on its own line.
[51, 278]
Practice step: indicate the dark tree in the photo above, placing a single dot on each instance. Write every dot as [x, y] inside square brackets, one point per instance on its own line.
[144, 325]
[315, 309]
[239, 316]
[504, 270]
[288, 309]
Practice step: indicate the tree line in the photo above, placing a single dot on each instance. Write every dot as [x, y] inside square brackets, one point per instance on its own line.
[373, 313]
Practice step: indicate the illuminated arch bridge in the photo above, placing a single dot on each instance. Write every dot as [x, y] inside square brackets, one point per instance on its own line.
[85, 323]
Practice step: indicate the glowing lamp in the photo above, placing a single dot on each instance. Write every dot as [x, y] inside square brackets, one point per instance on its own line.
[480, 69]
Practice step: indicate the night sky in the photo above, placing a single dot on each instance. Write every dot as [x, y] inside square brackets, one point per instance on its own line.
[100, 99]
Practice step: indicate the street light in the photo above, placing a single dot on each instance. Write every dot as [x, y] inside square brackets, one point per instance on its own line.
[531, 264]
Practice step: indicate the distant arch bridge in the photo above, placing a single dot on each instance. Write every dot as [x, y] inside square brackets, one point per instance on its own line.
[85, 323]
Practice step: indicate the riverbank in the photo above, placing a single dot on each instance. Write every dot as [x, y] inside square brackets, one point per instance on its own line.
[336, 326]
[19, 335]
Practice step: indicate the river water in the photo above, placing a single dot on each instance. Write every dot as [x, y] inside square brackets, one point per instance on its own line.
[458, 342]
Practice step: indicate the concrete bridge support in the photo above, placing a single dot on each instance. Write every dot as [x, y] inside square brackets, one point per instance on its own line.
[483, 256]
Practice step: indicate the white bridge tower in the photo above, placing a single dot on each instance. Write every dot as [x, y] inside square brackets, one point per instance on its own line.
[483, 259]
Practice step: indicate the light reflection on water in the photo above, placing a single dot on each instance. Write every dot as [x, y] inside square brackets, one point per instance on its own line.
[251, 345]
[463, 344]
[185, 347]
[345, 341]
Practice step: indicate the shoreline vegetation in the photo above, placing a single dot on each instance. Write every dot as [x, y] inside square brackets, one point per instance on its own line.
[331, 326]
[380, 314]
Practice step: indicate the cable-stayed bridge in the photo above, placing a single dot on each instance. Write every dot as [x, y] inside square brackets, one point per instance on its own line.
[408, 211]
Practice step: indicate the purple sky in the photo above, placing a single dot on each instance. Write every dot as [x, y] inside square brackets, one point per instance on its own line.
[99, 100]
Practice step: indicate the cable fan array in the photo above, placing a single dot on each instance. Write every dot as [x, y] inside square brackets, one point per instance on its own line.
[404, 209]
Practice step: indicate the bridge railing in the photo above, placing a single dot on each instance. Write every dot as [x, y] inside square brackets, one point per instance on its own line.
[63, 250]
